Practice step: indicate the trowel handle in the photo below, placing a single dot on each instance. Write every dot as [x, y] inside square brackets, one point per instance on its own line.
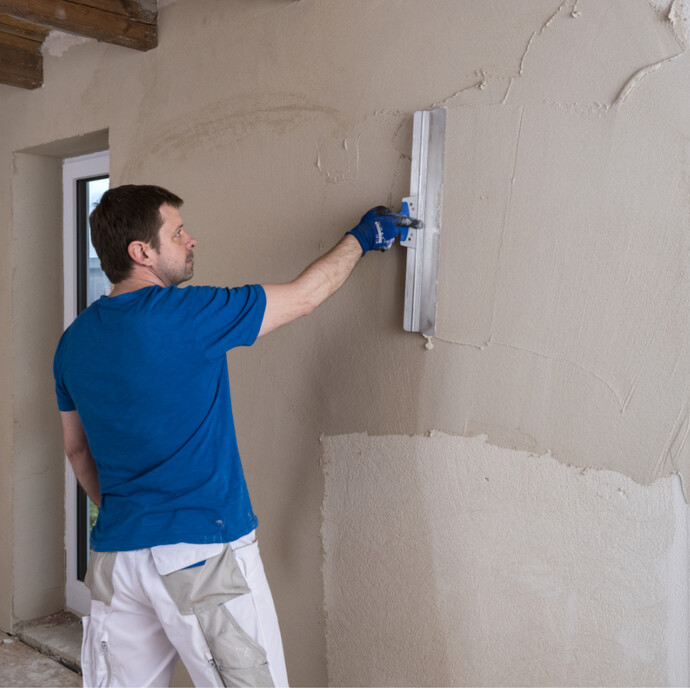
[407, 234]
[405, 210]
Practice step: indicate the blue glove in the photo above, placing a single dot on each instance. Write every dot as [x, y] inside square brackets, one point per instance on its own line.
[379, 228]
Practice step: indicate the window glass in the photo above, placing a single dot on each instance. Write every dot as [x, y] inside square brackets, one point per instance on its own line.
[97, 284]
[84, 179]
[92, 284]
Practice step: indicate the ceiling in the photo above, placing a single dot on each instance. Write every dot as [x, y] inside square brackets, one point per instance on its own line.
[24, 24]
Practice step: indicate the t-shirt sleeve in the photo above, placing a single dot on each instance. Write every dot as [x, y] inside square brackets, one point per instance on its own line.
[224, 318]
[65, 402]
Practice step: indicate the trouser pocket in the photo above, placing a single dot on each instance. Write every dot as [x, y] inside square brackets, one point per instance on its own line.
[203, 591]
[95, 653]
[99, 576]
[240, 660]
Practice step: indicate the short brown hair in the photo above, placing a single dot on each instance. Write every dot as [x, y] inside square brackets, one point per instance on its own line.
[123, 215]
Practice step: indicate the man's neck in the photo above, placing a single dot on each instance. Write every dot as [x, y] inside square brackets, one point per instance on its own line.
[134, 283]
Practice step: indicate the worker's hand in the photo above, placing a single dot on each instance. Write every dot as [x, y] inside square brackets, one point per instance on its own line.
[379, 228]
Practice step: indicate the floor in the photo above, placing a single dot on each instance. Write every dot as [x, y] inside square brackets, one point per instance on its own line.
[42, 654]
[22, 666]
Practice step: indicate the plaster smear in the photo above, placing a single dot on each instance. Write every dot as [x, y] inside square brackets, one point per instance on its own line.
[678, 13]
[566, 237]
[588, 51]
[57, 43]
[452, 562]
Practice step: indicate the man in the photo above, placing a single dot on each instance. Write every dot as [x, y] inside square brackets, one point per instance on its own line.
[142, 385]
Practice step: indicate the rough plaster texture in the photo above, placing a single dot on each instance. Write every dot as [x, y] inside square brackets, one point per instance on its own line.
[280, 123]
[452, 562]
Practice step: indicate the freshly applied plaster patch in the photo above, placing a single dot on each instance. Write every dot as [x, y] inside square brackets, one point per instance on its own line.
[452, 562]
[559, 208]
[565, 251]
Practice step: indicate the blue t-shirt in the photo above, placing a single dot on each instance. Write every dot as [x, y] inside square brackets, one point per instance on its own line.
[147, 372]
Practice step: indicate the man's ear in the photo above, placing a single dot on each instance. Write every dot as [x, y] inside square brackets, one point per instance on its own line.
[140, 252]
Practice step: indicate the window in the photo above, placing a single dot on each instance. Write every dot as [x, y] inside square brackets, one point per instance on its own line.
[84, 181]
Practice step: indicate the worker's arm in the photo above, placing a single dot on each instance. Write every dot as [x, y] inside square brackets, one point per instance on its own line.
[79, 455]
[288, 301]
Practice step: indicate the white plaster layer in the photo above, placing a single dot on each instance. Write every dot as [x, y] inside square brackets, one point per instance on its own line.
[57, 43]
[453, 562]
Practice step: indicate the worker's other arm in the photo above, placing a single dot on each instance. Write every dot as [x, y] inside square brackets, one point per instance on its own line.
[79, 455]
[288, 301]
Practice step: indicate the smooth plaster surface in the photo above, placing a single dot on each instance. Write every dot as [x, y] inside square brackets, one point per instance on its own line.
[565, 244]
[38, 478]
[37, 505]
[280, 123]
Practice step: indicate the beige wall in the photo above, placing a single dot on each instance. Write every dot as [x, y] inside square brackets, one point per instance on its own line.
[38, 563]
[280, 123]
[566, 234]
[490, 567]
[6, 464]
[562, 331]
[38, 486]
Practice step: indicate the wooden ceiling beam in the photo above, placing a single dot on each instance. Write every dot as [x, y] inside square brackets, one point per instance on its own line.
[19, 67]
[10, 25]
[129, 23]
[21, 62]
[140, 10]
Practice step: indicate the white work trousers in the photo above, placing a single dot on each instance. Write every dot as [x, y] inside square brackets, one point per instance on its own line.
[208, 603]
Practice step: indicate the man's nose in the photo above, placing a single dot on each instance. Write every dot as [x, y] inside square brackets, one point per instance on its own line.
[191, 242]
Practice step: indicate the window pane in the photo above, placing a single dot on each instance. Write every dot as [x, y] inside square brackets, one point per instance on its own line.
[96, 282]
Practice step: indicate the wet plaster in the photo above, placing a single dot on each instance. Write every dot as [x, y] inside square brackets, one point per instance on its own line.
[565, 226]
[505, 559]
[562, 314]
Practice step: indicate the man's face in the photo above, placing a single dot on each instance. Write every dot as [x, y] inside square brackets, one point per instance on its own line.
[174, 260]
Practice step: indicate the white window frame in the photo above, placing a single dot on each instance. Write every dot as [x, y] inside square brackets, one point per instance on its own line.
[77, 597]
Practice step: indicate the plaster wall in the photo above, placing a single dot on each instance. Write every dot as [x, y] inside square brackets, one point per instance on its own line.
[37, 497]
[463, 563]
[38, 489]
[6, 464]
[280, 123]
[565, 247]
